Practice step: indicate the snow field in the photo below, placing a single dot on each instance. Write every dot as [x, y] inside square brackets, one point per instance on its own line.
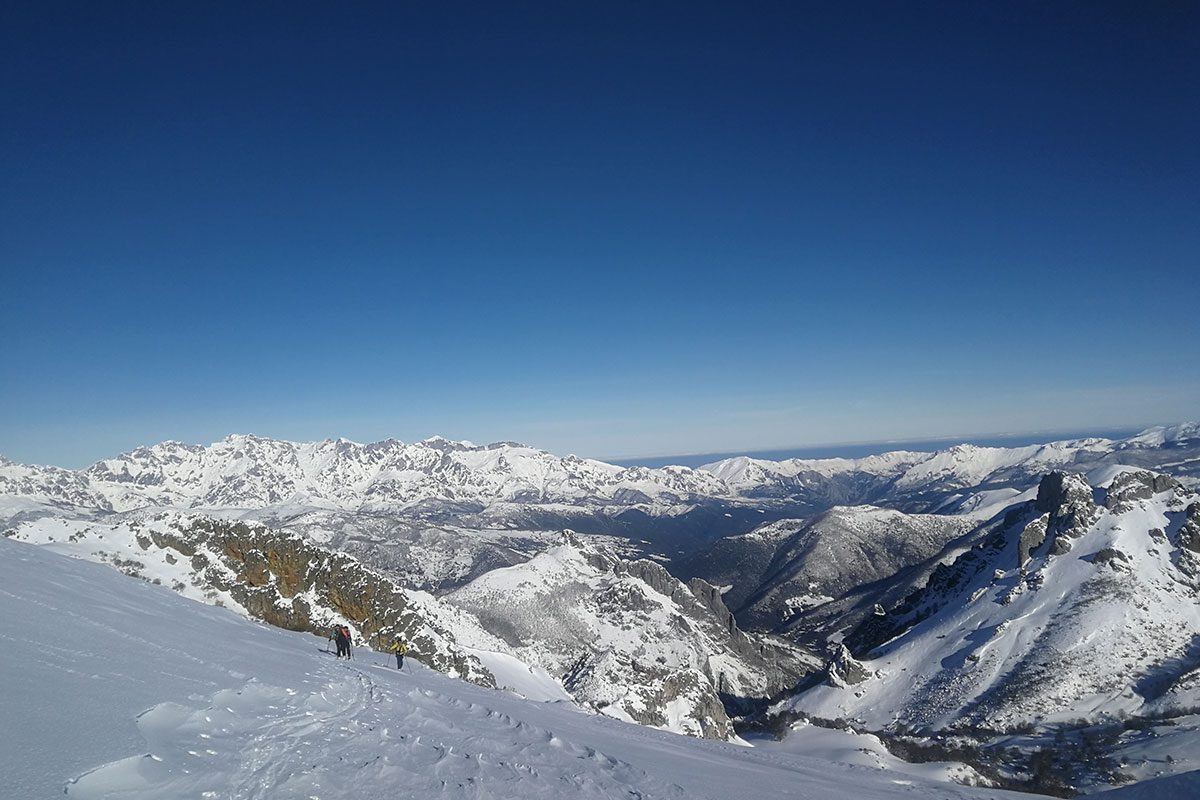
[116, 688]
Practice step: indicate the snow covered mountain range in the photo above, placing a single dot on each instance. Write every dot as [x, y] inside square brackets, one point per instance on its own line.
[914, 596]
[1105, 583]
[437, 475]
[250, 472]
[960, 479]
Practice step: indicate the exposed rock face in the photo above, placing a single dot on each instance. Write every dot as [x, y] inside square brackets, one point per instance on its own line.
[1188, 540]
[1189, 532]
[1112, 557]
[1032, 538]
[710, 597]
[1129, 487]
[844, 669]
[1069, 502]
[282, 579]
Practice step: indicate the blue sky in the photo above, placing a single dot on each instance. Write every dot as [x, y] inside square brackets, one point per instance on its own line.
[601, 229]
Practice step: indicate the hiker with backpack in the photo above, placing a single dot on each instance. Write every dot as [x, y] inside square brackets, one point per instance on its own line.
[399, 647]
[341, 637]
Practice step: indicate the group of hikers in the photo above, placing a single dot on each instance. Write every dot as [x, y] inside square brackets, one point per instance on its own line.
[341, 637]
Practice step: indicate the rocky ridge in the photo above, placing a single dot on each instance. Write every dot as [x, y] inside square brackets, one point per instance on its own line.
[1081, 603]
[785, 569]
[279, 578]
[633, 641]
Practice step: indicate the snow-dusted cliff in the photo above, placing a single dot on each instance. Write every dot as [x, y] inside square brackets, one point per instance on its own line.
[1082, 603]
[786, 568]
[631, 640]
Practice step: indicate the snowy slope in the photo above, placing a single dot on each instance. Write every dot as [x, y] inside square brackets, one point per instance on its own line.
[272, 576]
[624, 636]
[118, 688]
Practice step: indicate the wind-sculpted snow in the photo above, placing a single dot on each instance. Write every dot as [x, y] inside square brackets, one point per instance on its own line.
[118, 688]
[350, 737]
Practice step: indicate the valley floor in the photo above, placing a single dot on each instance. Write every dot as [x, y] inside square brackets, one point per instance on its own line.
[115, 688]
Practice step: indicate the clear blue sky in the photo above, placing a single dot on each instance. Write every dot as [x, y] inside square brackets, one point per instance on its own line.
[598, 228]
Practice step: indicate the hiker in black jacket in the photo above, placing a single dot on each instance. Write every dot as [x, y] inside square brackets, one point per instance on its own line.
[341, 636]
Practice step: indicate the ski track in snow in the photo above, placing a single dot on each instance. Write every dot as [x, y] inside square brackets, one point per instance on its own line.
[119, 689]
[354, 738]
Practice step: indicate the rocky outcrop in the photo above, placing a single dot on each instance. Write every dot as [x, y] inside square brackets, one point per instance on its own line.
[1112, 557]
[1032, 537]
[1189, 531]
[287, 581]
[1188, 540]
[1068, 501]
[844, 669]
[654, 695]
[1129, 487]
[710, 597]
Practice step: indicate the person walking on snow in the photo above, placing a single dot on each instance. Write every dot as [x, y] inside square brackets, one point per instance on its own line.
[341, 636]
[399, 647]
[333, 637]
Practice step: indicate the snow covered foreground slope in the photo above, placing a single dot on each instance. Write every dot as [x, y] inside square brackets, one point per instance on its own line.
[620, 636]
[118, 688]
